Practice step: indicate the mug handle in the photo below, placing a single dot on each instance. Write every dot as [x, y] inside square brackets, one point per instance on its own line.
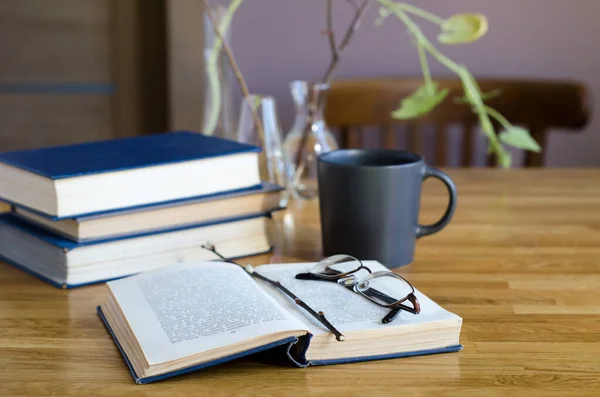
[425, 230]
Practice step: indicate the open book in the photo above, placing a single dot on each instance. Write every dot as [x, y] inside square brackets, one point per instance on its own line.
[186, 317]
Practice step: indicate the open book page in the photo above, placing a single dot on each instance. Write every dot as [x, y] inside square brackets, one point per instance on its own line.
[183, 310]
[345, 309]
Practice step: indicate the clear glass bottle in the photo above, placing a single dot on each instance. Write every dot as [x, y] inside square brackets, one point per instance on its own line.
[308, 138]
[272, 161]
[219, 84]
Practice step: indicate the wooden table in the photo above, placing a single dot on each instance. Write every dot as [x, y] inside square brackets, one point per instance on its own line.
[520, 263]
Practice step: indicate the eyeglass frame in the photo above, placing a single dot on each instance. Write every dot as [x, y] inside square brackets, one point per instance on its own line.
[350, 281]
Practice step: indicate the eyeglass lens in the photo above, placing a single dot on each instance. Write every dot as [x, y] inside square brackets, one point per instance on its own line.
[384, 288]
[336, 266]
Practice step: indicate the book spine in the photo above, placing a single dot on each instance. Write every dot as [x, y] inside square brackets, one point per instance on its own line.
[296, 351]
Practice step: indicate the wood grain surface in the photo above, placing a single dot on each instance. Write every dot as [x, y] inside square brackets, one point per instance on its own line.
[520, 263]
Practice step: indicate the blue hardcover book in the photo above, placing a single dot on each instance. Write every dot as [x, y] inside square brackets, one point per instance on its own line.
[186, 317]
[66, 264]
[67, 181]
[163, 217]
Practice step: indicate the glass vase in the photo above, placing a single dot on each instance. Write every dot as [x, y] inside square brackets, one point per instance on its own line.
[308, 138]
[259, 126]
[220, 111]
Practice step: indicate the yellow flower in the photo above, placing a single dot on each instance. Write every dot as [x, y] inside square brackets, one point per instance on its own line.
[463, 28]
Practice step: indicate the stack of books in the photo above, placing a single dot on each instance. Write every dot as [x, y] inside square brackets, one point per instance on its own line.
[97, 211]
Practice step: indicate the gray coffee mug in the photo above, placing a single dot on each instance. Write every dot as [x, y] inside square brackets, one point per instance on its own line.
[369, 202]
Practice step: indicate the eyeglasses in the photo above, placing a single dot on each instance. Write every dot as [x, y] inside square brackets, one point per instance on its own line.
[384, 288]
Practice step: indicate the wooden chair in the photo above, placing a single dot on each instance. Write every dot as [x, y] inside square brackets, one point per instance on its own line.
[536, 105]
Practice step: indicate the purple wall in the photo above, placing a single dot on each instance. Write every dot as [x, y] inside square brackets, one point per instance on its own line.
[277, 41]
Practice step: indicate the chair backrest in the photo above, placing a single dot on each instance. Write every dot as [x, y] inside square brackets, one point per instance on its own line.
[537, 105]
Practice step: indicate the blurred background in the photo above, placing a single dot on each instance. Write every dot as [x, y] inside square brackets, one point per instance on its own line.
[81, 70]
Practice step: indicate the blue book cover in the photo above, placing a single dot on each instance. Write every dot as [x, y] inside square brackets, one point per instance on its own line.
[56, 284]
[449, 349]
[122, 154]
[66, 245]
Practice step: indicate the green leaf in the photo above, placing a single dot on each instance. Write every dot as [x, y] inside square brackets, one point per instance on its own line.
[485, 96]
[491, 94]
[463, 29]
[421, 102]
[520, 138]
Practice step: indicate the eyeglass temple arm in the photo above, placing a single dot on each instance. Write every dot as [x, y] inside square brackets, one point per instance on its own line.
[386, 298]
[379, 295]
[416, 309]
[320, 316]
[310, 276]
